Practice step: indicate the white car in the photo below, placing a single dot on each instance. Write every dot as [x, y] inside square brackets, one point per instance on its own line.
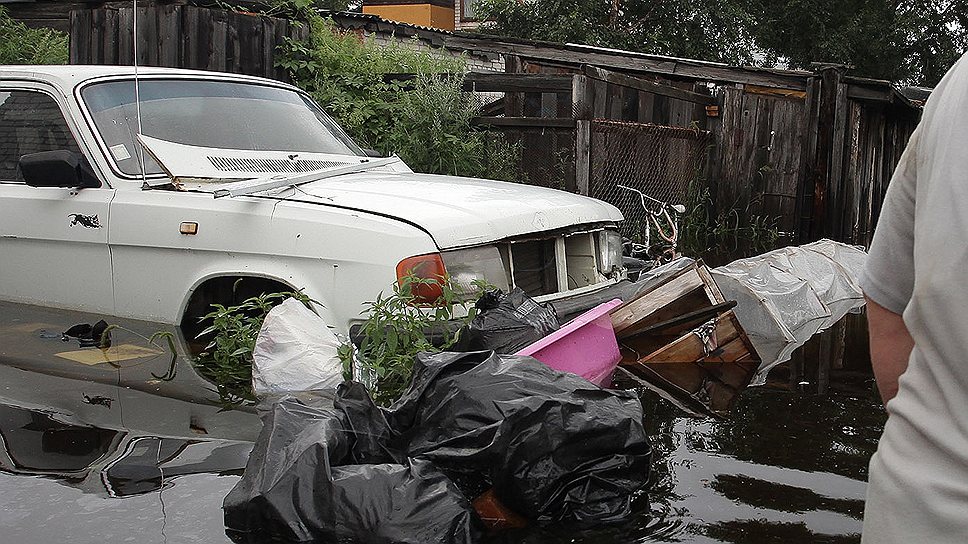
[245, 177]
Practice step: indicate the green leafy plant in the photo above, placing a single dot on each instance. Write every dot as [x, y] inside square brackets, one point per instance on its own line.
[20, 44]
[399, 326]
[734, 232]
[397, 98]
[227, 359]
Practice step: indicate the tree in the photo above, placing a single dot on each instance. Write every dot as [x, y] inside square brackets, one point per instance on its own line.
[685, 28]
[909, 41]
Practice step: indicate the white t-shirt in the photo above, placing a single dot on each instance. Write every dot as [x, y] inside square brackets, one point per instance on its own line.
[918, 267]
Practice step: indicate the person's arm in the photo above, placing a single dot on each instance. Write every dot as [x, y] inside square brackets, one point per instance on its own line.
[888, 278]
[891, 346]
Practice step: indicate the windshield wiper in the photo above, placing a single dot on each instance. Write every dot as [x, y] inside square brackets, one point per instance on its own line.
[249, 186]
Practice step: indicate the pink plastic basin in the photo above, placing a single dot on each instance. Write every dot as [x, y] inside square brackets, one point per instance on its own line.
[585, 346]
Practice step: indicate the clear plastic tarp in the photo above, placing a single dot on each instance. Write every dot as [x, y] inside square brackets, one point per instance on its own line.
[786, 296]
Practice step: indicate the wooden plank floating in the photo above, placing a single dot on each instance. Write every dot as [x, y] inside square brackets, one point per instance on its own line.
[700, 365]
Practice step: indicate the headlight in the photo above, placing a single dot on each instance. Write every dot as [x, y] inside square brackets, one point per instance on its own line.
[475, 265]
[609, 252]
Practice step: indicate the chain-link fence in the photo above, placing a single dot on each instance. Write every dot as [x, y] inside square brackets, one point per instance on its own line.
[659, 161]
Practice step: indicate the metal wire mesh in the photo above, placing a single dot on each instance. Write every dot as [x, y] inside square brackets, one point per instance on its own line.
[659, 161]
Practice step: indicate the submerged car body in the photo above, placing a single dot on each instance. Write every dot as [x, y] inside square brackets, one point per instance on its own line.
[148, 201]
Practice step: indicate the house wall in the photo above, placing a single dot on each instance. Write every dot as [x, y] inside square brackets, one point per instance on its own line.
[429, 15]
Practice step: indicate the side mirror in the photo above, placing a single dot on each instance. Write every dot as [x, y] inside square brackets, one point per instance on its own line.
[372, 153]
[60, 168]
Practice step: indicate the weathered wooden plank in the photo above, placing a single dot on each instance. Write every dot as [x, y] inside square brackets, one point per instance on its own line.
[809, 132]
[513, 101]
[498, 82]
[874, 94]
[219, 47]
[630, 104]
[835, 187]
[80, 40]
[110, 36]
[600, 98]
[635, 311]
[149, 48]
[580, 97]
[583, 149]
[646, 104]
[126, 36]
[691, 348]
[169, 36]
[798, 94]
[190, 40]
[524, 122]
[96, 31]
[617, 78]
[855, 179]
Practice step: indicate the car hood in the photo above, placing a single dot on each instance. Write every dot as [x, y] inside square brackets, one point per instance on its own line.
[456, 211]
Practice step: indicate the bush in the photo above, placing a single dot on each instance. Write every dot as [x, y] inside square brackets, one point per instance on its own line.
[22, 45]
[397, 328]
[424, 117]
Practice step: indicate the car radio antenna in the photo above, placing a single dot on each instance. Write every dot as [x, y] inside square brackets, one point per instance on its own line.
[137, 95]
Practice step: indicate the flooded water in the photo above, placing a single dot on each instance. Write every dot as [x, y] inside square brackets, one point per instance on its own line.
[140, 450]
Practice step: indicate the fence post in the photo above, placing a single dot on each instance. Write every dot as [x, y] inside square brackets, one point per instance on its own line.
[581, 111]
[583, 148]
[829, 159]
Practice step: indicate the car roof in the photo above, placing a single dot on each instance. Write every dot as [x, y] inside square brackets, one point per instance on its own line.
[68, 76]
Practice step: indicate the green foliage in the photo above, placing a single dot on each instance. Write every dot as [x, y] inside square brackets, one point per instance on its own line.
[734, 232]
[911, 41]
[227, 359]
[22, 45]
[424, 117]
[396, 330]
[701, 29]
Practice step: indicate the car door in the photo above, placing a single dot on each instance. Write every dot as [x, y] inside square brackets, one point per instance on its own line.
[53, 241]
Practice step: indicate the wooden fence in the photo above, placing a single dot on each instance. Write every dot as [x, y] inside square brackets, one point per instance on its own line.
[182, 36]
[814, 150]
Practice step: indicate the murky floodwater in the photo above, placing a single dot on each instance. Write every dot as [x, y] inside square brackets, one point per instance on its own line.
[94, 452]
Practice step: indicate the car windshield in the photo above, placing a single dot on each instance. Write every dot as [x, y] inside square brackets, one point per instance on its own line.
[215, 114]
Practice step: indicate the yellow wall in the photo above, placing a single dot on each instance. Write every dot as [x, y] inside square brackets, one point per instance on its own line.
[416, 14]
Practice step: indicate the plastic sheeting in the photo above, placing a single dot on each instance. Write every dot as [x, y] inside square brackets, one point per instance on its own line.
[302, 485]
[553, 447]
[295, 351]
[786, 296]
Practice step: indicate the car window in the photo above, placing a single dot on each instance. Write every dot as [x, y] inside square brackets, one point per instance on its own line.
[30, 122]
[214, 114]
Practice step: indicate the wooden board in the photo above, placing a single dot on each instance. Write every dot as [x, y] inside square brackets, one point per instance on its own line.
[645, 304]
[701, 377]
[693, 288]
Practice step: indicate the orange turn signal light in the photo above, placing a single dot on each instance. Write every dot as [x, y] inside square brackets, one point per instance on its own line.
[428, 267]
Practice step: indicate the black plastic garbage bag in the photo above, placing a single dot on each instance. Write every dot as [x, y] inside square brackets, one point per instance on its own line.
[295, 488]
[508, 322]
[555, 446]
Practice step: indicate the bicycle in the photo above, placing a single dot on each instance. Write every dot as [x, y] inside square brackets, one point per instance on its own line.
[669, 233]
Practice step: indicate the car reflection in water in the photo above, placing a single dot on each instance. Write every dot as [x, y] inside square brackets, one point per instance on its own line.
[94, 451]
[104, 461]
